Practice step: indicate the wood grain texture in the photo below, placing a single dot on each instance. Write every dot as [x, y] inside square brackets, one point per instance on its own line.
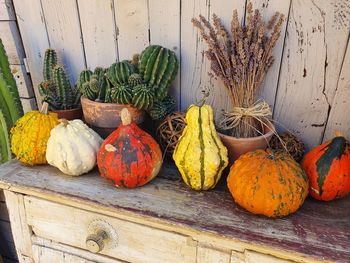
[29, 104]
[20, 230]
[339, 113]
[209, 255]
[29, 15]
[132, 27]
[318, 230]
[24, 84]
[12, 42]
[310, 61]
[4, 215]
[165, 31]
[64, 33]
[6, 11]
[268, 9]
[99, 32]
[135, 243]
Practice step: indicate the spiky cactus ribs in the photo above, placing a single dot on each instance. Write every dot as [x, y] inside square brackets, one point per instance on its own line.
[162, 108]
[158, 66]
[56, 88]
[143, 96]
[122, 94]
[118, 73]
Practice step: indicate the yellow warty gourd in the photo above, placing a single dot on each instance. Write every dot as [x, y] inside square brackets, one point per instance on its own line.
[199, 155]
[30, 134]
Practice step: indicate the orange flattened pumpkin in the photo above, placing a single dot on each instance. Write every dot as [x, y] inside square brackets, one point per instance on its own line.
[268, 184]
[328, 169]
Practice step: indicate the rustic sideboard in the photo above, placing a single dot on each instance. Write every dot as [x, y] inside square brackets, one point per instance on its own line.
[56, 218]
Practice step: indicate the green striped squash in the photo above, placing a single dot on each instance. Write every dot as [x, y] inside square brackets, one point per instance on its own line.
[199, 155]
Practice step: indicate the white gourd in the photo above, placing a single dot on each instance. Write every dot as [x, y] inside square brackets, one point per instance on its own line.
[72, 147]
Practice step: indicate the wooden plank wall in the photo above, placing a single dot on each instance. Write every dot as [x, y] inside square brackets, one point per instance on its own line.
[308, 85]
[11, 38]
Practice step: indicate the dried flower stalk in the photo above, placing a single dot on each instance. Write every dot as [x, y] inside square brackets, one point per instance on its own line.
[240, 59]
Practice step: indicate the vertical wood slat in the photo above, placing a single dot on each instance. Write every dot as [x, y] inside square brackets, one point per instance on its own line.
[132, 27]
[64, 32]
[302, 103]
[339, 115]
[99, 32]
[7, 12]
[31, 24]
[12, 42]
[268, 9]
[164, 22]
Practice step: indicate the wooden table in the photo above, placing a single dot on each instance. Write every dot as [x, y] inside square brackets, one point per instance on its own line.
[52, 216]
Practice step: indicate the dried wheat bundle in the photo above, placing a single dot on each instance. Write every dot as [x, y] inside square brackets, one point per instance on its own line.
[240, 59]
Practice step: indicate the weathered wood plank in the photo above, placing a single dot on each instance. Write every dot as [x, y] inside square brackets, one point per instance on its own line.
[29, 104]
[64, 34]
[252, 257]
[317, 230]
[164, 22]
[99, 32]
[339, 113]
[310, 59]
[43, 254]
[4, 215]
[12, 42]
[2, 197]
[132, 26]
[24, 85]
[7, 246]
[208, 255]
[29, 17]
[6, 10]
[268, 9]
[136, 243]
[20, 230]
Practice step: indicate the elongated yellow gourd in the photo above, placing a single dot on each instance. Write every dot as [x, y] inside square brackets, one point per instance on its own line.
[30, 134]
[199, 155]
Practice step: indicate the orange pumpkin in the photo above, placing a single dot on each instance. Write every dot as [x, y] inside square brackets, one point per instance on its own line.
[268, 183]
[328, 169]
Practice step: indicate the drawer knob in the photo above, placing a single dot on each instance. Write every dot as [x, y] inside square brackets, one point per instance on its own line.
[95, 242]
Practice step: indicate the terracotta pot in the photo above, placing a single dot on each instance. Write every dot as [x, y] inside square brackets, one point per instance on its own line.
[104, 118]
[238, 146]
[71, 114]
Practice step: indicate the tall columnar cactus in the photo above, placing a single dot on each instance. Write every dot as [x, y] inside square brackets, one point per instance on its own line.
[50, 61]
[158, 67]
[56, 88]
[118, 73]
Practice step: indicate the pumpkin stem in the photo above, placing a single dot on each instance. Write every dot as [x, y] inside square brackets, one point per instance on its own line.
[125, 116]
[338, 133]
[44, 108]
[64, 122]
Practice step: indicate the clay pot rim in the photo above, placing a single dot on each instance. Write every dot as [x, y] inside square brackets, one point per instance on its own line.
[106, 103]
[252, 139]
[68, 110]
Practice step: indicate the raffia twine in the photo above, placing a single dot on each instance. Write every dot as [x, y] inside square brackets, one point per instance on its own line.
[232, 119]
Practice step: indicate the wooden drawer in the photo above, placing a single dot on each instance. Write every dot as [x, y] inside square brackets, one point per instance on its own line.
[135, 242]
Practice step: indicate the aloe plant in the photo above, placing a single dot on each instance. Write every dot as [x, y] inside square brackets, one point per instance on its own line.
[10, 105]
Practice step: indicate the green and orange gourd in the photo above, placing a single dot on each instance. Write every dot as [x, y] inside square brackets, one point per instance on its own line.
[328, 169]
[129, 156]
[267, 183]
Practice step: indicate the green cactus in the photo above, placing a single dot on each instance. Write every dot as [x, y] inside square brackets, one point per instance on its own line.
[122, 94]
[10, 103]
[50, 61]
[118, 73]
[5, 148]
[143, 96]
[135, 79]
[83, 77]
[162, 108]
[56, 88]
[158, 66]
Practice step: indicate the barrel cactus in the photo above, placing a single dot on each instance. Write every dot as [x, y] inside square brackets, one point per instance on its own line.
[122, 94]
[158, 67]
[118, 73]
[162, 108]
[56, 88]
[143, 96]
[135, 79]
[83, 77]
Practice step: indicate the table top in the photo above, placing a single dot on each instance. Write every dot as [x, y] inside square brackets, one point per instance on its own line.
[319, 229]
